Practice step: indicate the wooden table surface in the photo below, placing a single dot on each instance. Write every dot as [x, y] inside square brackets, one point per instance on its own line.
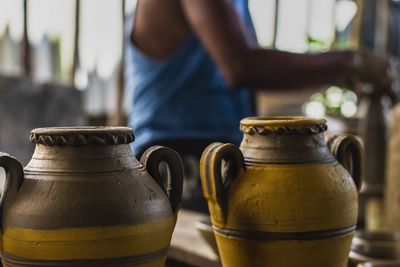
[187, 244]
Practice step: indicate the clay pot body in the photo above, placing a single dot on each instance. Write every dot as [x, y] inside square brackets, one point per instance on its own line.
[282, 199]
[84, 200]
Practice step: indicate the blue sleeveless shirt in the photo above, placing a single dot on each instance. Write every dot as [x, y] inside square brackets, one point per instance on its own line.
[184, 96]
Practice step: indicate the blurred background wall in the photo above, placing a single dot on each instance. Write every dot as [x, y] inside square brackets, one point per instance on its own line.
[79, 43]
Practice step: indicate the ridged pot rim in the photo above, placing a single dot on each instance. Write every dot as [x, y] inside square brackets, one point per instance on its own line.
[283, 125]
[82, 135]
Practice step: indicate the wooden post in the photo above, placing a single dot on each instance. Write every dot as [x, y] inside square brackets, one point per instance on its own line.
[309, 18]
[118, 117]
[276, 24]
[392, 182]
[381, 27]
[356, 26]
[335, 31]
[26, 49]
[373, 130]
[392, 187]
[75, 62]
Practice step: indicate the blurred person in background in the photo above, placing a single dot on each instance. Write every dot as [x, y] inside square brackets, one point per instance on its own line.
[192, 67]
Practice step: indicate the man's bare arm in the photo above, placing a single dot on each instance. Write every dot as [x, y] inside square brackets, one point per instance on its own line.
[219, 28]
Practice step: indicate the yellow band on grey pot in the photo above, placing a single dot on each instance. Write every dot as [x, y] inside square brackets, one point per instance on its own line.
[88, 243]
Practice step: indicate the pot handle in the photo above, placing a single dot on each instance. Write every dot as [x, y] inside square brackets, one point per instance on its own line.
[152, 158]
[215, 186]
[347, 149]
[14, 178]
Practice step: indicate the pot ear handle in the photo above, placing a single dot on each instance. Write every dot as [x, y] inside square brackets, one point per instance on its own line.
[14, 178]
[152, 159]
[214, 187]
[347, 149]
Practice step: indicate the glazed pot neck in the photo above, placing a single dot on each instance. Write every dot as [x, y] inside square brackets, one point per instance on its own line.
[284, 140]
[285, 149]
[82, 159]
[82, 149]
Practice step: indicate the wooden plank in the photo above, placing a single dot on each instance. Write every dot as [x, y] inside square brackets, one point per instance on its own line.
[276, 17]
[26, 47]
[75, 60]
[356, 26]
[187, 244]
[118, 117]
[382, 27]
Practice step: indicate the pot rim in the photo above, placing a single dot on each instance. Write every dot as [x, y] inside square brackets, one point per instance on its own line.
[82, 135]
[283, 124]
[82, 130]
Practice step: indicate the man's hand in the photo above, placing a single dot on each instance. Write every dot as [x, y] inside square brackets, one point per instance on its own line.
[370, 74]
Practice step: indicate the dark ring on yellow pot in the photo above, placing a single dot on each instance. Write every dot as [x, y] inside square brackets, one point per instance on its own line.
[276, 236]
[12, 260]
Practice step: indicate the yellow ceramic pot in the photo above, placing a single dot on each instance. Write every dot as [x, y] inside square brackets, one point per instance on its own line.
[283, 199]
[85, 200]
